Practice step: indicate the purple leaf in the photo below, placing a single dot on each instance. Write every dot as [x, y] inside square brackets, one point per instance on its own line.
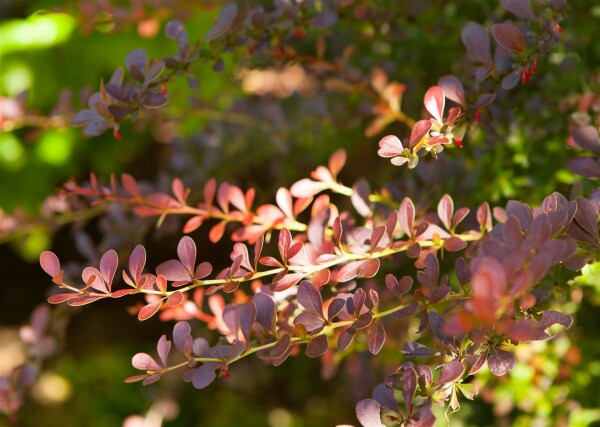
[477, 42]
[414, 349]
[585, 166]
[384, 395]
[508, 36]
[287, 281]
[587, 138]
[335, 307]
[182, 338]
[311, 322]
[521, 8]
[500, 362]
[376, 338]
[265, 310]
[282, 346]
[223, 23]
[317, 346]
[247, 319]
[434, 101]
[511, 79]
[324, 19]
[136, 61]
[205, 375]
[367, 412]
[155, 100]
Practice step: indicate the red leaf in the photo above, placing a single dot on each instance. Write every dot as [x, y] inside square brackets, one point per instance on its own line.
[163, 348]
[337, 161]
[178, 190]
[130, 185]
[217, 231]
[149, 310]
[58, 298]
[174, 299]
[209, 192]
[434, 102]
[173, 271]
[287, 281]
[419, 131]
[406, 216]
[453, 89]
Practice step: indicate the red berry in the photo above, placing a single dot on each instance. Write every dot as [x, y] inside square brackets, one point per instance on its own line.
[524, 77]
[163, 89]
[458, 142]
[117, 134]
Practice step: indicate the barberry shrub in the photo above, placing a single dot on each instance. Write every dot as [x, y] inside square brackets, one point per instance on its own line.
[324, 268]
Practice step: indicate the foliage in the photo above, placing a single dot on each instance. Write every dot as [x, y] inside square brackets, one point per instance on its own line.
[327, 268]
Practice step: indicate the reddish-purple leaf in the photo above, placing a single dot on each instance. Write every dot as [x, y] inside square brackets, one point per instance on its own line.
[414, 349]
[137, 260]
[186, 250]
[445, 209]
[363, 321]
[317, 346]
[360, 198]
[163, 349]
[108, 267]
[193, 223]
[309, 297]
[434, 101]
[451, 372]
[368, 413]
[459, 216]
[50, 263]
[375, 338]
[454, 244]
[500, 362]
[284, 201]
[144, 362]
[202, 270]
[406, 216]
[152, 379]
[508, 36]
[409, 387]
[477, 42]
[512, 79]
[345, 339]
[419, 130]
[135, 378]
[92, 277]
[335, 307]
[173, 270]
[390, 146]
[149, 310]
[311, 322]
[484, 216]
[453, 89]
[282, 346]
[368, 268]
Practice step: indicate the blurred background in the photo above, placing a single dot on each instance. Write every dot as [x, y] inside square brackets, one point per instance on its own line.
[264, 122]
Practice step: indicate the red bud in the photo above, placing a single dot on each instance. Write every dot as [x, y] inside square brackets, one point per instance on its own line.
[164, 90]
[477, 115]
[458, 142]
[117, 134]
